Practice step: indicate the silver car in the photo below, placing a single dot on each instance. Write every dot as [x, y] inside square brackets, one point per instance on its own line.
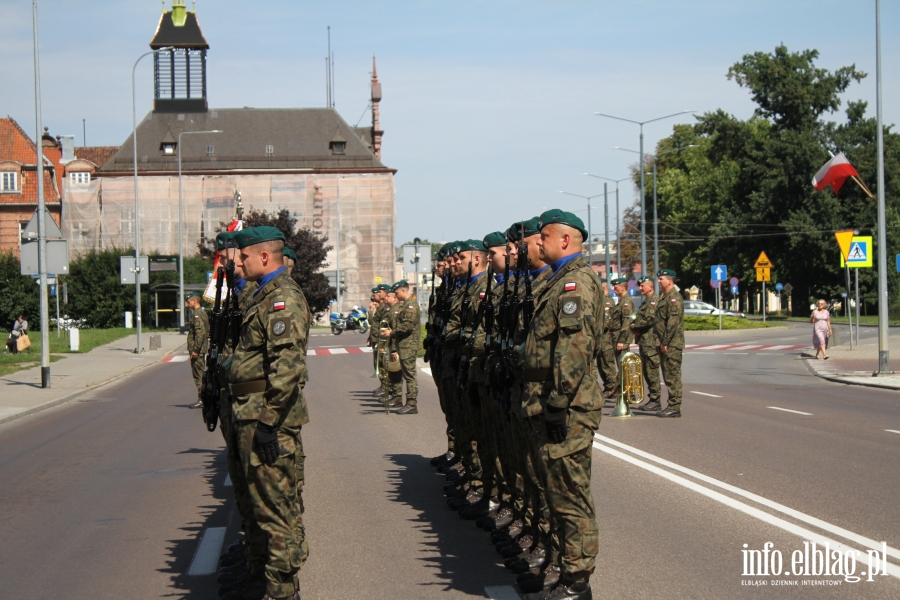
[703, 309]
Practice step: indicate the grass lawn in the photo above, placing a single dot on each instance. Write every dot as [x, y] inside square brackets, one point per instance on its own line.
[89, 339]
[692, 323]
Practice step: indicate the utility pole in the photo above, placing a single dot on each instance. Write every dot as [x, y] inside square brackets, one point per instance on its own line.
[42, 227]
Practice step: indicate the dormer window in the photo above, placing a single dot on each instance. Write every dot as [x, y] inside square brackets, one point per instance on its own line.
[338, 144]
[80, 178]
[168, 144]
[9, 181]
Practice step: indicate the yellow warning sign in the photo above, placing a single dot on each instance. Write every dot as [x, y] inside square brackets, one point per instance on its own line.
[763, 274]
[844, 239]
[762, 262]
[378, 280]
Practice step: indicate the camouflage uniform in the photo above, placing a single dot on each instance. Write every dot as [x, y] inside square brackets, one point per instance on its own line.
[670, 333]
[381, 347]
[621, 324]
[557, 357]
[606, 357]
[198, 342]
[267, 375]
[374, 320]
[405, 334]
[644, 328]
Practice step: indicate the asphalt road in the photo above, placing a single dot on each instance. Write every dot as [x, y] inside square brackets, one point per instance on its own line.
[110, 496]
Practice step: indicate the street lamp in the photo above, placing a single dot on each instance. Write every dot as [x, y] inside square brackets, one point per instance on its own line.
[618, 230]
[590, 238]
[643, 212]
[137, 216]
[181, 232]
[655, 219]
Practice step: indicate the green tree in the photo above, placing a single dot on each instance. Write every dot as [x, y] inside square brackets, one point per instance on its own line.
[19, 294]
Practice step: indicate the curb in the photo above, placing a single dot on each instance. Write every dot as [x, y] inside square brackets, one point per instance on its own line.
[839, 379]
[73, 395]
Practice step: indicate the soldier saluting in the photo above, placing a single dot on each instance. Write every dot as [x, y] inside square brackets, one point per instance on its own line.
[267, 375]
[557, 356]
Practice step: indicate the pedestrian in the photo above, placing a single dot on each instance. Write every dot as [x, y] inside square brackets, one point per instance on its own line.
[197, 341]
[821, 320]
[266, 379]
[19, 330]
[405, 342]
[670, 335]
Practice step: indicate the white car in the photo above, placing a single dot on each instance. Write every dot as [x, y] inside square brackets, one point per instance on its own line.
[702, 309]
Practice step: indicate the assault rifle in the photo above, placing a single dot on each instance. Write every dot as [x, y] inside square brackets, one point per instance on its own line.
[462, 378]
[428, 344]
[463, 319]
[218, 333]
[498, 345]
[528, 301]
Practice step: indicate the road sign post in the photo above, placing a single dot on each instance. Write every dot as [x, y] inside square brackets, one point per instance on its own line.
[762, 266]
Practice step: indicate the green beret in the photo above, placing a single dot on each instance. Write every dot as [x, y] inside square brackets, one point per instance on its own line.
[497, 238]
[257, 235]
[399, 284]
[193, 295]
[383, 287]
[290, 254]
[562, 217]
[468, 245]
[375, 290]
[531, 227]
[666, 272]
[223, 240]
[645, 278]
[619, 281]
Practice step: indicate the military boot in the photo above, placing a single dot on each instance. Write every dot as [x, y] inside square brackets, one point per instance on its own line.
[480, 509]
[669, 413]
[653, 406]
[409, 409]
[503, 518]
[249, 587]
[572, 591]
[543, 582]
[443, 458]
[395, 403]
[532, 560]
[458, 503]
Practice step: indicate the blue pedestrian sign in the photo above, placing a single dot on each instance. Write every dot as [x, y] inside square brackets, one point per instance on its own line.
[898, 263]
[779, 286]
[719, 273]
[734, 289]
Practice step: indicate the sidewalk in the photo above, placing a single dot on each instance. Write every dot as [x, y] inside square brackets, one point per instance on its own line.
[21, 393]
[855, 367]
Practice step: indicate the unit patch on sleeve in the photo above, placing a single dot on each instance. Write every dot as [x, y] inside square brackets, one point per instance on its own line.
[278, 327]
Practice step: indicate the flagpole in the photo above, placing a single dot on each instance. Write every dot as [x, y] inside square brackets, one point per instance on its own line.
[883, 350]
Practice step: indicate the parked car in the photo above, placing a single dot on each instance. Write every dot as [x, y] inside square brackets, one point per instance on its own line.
[697, 308]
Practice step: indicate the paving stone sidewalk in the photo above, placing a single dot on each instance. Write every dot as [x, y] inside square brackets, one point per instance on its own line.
[21, 393]
[856, 367]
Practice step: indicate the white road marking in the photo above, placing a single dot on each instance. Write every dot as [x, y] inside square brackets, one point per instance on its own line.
[793, 338]
[501, 592]
[745, 508]
[705, 394]
[179, 358]
[426, 370]
[338, 351]
[892, 430]
[748, 347]
[366, 349]
[782, 347]
[228, 481]
[730, 353]
[796, 412]
[206, 557]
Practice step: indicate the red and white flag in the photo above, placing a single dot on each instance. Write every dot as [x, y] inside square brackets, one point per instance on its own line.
[210, 292]
[834, 173]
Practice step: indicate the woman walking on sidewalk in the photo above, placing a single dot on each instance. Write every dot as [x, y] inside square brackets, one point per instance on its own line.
[821, 320]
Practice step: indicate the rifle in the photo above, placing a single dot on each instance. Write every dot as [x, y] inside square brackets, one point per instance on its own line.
[464, 317]
[218, 332]
[462, 378]
[528, 301]
[429, 326]
[497, 376]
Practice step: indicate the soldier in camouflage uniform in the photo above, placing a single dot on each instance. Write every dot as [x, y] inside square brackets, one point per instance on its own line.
[380, 292]
[197, 340]
[606, 355]
[621, 320]
[433, 345]
[266, 378]
[670, 335]
[405, 336]
[644, 328]
[390, 382]
[563, 400]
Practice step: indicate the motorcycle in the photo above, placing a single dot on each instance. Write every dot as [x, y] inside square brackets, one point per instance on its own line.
[357, 320]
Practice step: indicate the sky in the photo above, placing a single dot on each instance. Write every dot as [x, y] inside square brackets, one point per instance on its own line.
[488, 107]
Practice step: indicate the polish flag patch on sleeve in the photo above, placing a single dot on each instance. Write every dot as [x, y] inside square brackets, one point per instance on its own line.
[570, 286]
[278, 306]
[481, 296]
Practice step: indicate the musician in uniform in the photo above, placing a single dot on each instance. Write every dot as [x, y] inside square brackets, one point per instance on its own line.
[644, 328]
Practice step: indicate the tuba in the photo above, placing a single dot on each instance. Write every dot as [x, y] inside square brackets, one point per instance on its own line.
[631, 382]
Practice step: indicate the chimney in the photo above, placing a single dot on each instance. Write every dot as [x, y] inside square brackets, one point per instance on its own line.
[377, 132]
[68, 148]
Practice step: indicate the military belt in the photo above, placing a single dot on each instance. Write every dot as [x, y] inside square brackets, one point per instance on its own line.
[247, 387]
[538, 374]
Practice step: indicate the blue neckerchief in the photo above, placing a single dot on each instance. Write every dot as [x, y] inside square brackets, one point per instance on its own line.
[266, 279]
[459, 283]
[537, 272]
[240, 285]
[500, 277]
[474, 277]
[559, 264]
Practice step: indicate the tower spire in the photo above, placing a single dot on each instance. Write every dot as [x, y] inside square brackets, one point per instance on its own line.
[377, 132]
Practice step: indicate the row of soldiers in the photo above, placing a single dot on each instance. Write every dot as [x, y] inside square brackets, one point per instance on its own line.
[394, 336]
[251, 374]
[514, 336]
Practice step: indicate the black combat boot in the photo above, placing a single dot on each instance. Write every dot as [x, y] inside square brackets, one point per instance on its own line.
[545, 581]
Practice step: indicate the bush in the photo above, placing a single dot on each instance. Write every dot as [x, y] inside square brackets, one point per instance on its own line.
[18, 293]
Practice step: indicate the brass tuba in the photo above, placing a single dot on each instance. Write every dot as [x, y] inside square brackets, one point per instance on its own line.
[631, 384]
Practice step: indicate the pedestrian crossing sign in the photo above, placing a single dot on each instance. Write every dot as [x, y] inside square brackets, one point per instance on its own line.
[860, 254]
